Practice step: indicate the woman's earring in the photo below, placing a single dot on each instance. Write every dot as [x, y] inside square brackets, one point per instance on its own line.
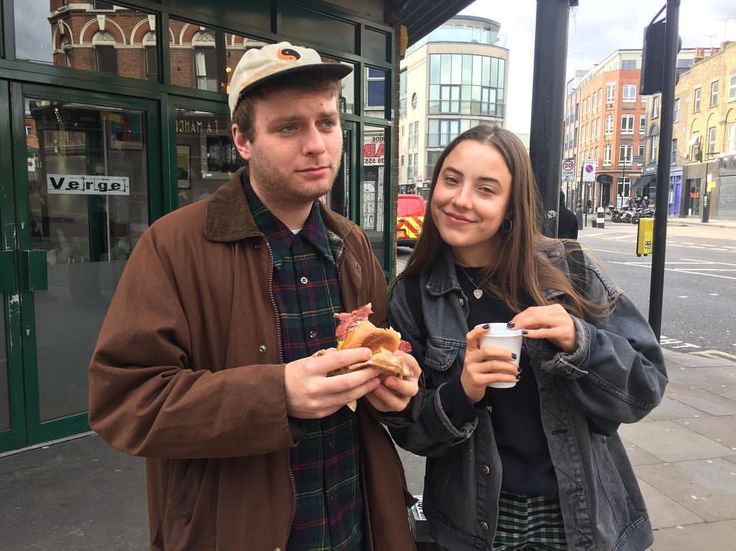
[506, 225]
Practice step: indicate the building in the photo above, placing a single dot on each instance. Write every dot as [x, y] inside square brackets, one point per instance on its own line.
[605, 111]
[570, 136]
[451, 80]
[704, 135]
[113, 114]
[647, 184]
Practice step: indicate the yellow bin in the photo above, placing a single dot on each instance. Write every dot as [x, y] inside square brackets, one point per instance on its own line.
[645, 237]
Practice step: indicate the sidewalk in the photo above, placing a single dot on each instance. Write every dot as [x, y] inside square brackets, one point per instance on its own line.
[82, 496]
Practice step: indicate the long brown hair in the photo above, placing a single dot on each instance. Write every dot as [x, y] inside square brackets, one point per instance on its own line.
[519, 272]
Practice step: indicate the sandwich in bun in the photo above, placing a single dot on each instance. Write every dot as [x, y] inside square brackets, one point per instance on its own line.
[355, 331]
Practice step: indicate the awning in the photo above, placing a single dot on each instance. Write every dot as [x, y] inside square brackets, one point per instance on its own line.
[644, 181]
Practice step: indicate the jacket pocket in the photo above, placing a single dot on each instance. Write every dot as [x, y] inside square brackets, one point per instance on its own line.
[442, 353]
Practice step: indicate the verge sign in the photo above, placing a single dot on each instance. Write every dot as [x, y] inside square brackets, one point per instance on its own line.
[76, 184]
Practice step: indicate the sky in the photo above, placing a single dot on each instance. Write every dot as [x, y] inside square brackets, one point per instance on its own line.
[597, 28]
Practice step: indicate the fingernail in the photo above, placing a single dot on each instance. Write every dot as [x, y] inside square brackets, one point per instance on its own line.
[518, 376]
[511, 325]
[486, 325]
[513, 355]
[524, 332]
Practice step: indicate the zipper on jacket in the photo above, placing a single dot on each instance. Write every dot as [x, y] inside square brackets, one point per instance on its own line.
[279, 337]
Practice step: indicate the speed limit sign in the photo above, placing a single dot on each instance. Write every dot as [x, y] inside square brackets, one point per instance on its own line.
[568, 168]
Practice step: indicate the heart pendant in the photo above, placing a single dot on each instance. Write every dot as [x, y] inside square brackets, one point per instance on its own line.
[478, 293]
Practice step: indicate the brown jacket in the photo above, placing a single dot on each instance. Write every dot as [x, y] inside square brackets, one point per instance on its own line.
[187, 373]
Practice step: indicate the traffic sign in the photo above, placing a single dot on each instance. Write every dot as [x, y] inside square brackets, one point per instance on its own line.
[568, 169]
[589, 170]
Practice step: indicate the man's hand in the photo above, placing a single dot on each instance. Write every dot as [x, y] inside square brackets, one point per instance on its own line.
[394, 394]
[311, 394]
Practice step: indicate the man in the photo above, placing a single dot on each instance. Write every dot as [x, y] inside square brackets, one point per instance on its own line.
[205, 365]
[567, 226]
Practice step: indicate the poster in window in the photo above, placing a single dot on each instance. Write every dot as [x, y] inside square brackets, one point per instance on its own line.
[183, 180]
[126, 129]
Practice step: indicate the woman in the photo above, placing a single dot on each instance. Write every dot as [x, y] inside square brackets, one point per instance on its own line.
[540, 465]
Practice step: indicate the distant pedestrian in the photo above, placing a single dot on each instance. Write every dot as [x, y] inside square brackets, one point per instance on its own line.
[567, 226]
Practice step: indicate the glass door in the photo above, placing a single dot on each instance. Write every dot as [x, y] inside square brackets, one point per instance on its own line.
[81, 185]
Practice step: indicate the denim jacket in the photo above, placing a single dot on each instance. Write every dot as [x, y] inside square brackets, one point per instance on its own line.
[616, 375]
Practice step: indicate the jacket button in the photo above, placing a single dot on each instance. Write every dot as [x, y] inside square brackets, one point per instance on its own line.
[484, 525]
[485, 469]
[262, 349]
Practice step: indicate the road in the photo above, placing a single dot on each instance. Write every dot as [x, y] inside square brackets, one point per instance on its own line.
[698, 313]
[699, 282]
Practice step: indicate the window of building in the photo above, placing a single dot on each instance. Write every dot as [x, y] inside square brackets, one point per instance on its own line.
[628, 64]
[731, 137]
[610, 94]
[673, 153]
[402, 93]
[732, 88]
[609, 125]
[695, 151]
[696, 100]
[714, 93]
[641, 151]
[676, 110]
[150, 56]
[712, 140]
[442, 131]
[98, 5]
[655, 106]
[624, 155]
[467, 84]
[627, 124]
[375, 92]
[629, 93]
[607, 155]
[642, 124]
[106, 56]
[653, 142]
[205, 68]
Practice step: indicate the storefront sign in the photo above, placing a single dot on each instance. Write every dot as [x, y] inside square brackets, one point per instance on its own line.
[74, 184]
[373, 149]
[197, 127]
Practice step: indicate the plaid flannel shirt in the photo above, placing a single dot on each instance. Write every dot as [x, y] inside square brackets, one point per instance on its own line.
[325, 464]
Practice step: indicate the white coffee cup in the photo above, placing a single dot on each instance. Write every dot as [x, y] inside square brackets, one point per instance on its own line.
[501, 336]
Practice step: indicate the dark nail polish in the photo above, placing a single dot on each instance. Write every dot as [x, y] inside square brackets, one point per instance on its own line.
[524, 332]
[513, 355]
[486, 325]
[511, 325]
[518, 376]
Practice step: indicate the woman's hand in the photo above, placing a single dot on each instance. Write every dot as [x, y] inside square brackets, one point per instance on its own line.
[484, 366]
[548, 322]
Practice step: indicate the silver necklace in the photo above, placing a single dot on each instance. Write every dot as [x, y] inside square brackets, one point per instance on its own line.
[478, 292]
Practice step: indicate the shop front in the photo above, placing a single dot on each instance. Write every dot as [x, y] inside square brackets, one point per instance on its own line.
[113, 114]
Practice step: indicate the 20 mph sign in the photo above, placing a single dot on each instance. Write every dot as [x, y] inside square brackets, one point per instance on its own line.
[568, 169]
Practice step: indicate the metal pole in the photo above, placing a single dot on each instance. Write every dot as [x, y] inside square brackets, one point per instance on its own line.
[548, 105]
[584, 190]
[663, 166]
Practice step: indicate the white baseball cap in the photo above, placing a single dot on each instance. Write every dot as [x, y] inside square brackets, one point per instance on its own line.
[261, 64]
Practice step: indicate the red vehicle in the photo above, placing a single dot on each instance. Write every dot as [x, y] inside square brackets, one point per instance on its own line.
[409, 219]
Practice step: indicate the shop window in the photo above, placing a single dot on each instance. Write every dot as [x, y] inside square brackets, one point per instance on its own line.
[373, 188]
[205, 155]
[113, 41]
[374, 45]
[375, 97]
[204, 58]
[317, 28]
[347, 92]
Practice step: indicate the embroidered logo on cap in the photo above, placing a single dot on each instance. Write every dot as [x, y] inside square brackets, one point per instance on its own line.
[288, 54]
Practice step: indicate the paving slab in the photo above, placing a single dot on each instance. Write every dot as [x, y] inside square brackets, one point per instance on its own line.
[704, 377]
[705, 487]
[704, 400]
[664, 511]
[669, 408]
[638, 456]
[675, 360]
[710, 536]
[672, 442]
[718, 429]
[76, 496]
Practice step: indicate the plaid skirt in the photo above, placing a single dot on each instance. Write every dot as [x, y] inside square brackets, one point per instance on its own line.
[529, 523]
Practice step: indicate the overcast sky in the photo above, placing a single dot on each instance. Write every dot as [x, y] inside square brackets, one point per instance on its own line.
[597, 28]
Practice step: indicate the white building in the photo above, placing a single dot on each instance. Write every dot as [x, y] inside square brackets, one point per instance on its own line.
[451, 80]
